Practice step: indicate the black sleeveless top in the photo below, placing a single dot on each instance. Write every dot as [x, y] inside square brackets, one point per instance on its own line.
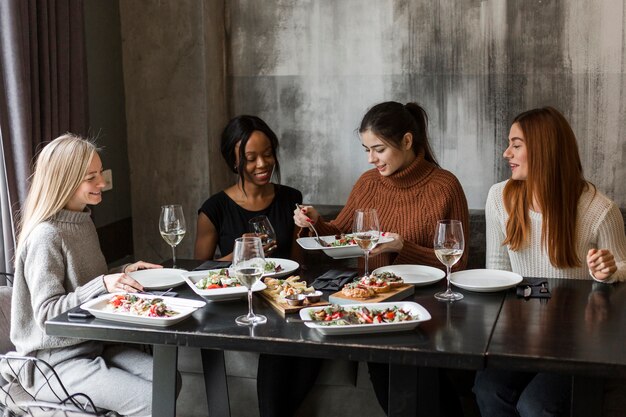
[231, 220]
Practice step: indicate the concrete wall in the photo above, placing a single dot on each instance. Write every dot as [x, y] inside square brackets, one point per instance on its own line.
[312, 68]
[175, 106]
[107, 116]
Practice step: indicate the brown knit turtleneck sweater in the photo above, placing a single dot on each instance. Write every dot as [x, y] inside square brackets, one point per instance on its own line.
[409, 203]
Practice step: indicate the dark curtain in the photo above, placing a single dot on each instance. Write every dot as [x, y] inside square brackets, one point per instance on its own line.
[43, 86]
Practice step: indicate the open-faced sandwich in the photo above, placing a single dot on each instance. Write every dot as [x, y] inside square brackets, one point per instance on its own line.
[390, 278]
[357, 290]
[378, 285]
[280, 288]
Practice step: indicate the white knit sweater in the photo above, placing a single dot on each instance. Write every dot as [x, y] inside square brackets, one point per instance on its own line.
[599, 224]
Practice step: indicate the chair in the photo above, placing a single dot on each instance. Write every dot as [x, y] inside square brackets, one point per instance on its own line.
[21, 402]
[14, 399]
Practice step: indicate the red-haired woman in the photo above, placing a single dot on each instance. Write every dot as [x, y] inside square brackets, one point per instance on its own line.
[546, 221]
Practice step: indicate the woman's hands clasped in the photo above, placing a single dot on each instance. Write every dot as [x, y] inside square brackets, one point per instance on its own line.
[123, 282]
[601, 263]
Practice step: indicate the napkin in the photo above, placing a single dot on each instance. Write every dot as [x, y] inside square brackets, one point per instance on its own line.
[212, 265]
[334, 279]
[533, 288]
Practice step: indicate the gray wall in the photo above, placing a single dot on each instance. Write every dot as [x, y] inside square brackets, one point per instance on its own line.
[312, 68]
[107, 116]
[175, 106]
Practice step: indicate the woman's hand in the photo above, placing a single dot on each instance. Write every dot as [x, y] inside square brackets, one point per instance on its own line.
[268, 248]
[121, 282]
[395, 245]
[305, 215]
[601, 263]
[140, 265]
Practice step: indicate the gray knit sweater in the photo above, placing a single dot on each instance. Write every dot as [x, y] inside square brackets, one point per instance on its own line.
[60, 267]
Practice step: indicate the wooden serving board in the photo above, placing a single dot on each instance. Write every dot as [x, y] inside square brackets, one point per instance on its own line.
[398, 293]
[284, 308]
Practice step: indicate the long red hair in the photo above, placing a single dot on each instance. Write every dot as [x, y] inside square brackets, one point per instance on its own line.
[555, 181]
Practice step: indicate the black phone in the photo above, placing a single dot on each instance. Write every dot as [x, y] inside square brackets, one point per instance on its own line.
[79, 314]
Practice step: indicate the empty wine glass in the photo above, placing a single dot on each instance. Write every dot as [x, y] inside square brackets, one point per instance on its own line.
[366, 230]
[449, 245]
[262, 227]
[172, 227]
[249, 265]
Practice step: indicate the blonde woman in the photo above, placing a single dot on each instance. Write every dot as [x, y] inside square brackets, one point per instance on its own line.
[59, 265]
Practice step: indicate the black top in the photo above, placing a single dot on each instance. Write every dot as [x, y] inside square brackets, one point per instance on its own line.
[231, 220]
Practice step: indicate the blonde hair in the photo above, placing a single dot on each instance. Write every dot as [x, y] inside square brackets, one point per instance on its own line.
[60, 168]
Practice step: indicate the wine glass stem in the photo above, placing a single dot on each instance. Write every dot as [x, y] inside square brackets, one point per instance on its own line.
[250, 313]
[173, 256]
[367, 253]
[448, 278]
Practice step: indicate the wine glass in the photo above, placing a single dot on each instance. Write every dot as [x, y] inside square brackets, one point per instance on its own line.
[172, 227]
[262, 227]
[249, 264]
[449, 244]
[366, 231]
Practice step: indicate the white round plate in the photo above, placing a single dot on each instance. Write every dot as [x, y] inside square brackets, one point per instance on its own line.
[418, 275]
[158, 278]
[485, 280]
[288, 267]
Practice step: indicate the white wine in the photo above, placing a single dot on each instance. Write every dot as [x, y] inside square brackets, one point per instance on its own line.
[173, 237]
[449, 257]
[248, 276]
[366, 241]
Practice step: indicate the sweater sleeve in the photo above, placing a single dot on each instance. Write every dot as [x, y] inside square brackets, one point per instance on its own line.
[413, 253]
[343, 222]
[44, 272]
[611, 236]
[496, 254]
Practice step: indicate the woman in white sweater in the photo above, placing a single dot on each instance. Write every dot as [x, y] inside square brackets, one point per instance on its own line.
[59, 265]
[546, 221]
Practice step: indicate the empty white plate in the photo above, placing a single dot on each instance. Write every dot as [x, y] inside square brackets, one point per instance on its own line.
[485, 280]
[417, 275]
[159, 278]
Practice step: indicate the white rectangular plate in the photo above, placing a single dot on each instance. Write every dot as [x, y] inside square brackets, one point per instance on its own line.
[485, 280]
[417, 275]
[218, 294]
[158, 278]
[288, 267]
[183, 306]
[336, 252]
[412, 307]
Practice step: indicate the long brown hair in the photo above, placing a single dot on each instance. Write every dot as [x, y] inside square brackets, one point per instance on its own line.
[392, 120]
[555, 181]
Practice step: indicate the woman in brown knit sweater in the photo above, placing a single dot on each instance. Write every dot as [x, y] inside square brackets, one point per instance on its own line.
[407, 187]
[410, 192]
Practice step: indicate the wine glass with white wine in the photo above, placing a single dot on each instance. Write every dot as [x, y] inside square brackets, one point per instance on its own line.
[172, 227]
[249, 265]
[449, 245]
[366, 232]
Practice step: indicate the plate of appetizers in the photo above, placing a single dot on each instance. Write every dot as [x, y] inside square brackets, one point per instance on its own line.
[365, 318]
[142, 308]
[218, 284]
[485, 280]
[158, 278]
[417, 275]
[278, 267]
[339, 246]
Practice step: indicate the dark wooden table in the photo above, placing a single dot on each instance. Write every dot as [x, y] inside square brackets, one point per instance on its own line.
[579, 332]
[456, 337]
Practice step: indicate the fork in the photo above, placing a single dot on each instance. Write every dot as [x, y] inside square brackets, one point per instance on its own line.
[320, 241]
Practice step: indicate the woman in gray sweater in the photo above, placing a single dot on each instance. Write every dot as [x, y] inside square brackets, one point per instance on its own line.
[59, 265]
